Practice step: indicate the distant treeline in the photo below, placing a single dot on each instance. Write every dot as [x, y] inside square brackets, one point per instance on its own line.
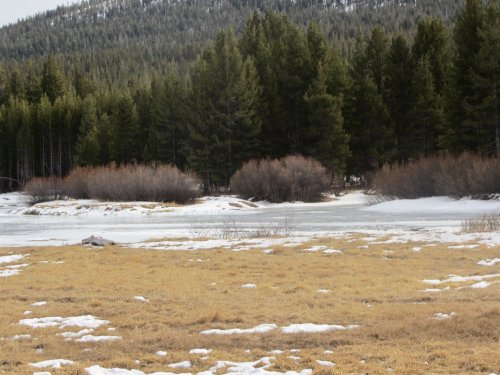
[278, 89]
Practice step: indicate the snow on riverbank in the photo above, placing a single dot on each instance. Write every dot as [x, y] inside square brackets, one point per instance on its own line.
[436, 204]
[18, 205]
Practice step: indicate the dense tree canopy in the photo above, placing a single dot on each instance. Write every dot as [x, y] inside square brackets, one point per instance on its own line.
[279, 88]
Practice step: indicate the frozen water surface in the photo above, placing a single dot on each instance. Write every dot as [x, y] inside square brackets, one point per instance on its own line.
[350, 213]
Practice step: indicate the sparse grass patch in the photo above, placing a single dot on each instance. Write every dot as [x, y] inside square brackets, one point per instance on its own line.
[483, 223]
[232, 229]
[382, 295]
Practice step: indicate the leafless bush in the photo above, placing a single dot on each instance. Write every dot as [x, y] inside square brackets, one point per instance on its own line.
[43, 189]
[484, 223]
[458, 176]
[157, 183]
[293, 178]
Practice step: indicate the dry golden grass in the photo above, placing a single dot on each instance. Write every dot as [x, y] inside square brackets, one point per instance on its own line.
[378, 287]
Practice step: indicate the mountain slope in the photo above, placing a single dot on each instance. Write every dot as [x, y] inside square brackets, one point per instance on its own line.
[132, 35]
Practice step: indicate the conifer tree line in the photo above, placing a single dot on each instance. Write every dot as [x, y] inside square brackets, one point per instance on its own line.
[274, 90]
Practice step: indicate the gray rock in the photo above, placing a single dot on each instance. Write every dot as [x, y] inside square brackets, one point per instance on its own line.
[97, 241]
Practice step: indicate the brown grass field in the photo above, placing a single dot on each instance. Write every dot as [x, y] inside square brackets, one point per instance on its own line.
[378, 288]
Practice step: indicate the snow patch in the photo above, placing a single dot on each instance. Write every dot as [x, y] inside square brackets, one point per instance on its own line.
[11, 258]
[463, 246]
[489, 262]
[98, 370]
[325, 363]
[480, 285]
[461, 279]
[91, 338]
[314, 328]
[17, 266]
[84, 321]
[436, 290]
[73, 335]
[21, 337]
[444, 316]
[276, 352]
[258, 367]
[249, 286]
[9, 273]
[333, 251]
[200, 351]
[262, 328]
[183, 364]
[52, 363]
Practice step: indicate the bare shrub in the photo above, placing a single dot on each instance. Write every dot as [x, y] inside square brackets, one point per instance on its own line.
[43, 189]
[293, 178]
[457, 176]
[484, 223]
[157, 183]
[76, 183]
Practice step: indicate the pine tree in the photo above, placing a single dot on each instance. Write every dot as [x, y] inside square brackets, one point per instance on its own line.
[367, 119]
[431, 42]
[398, 95]
[4, 86]
[44, 136]
[53, 82]
[462, 131]
[375, 56]
[167, 132]
[427, 111]
[87, 146]
[103, 136]
[486, 82]
[281, 54]
[16, 84]
[18, 118]
[325, 137]
[225, 130]
[32, 85]
[125, 146]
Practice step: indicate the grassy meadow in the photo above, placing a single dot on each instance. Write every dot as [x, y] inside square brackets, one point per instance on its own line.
[376, 286]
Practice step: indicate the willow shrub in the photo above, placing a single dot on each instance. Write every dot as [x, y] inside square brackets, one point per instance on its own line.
[457, 176]
[155, 183]
[292, 178]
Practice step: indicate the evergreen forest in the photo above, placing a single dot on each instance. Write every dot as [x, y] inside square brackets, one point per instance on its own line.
[209, 88]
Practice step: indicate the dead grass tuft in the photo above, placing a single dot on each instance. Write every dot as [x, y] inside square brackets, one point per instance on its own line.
[484, 223]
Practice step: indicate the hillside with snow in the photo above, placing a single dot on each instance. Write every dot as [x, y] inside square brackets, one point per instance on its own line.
[120, 36]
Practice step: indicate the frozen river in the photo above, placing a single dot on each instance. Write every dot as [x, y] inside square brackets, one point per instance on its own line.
[351, 213]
